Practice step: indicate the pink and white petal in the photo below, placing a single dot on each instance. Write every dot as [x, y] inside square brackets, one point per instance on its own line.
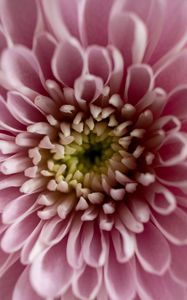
[87, 282]
[74, 245]
[9, 279]
[14, 164]
[119, 278]
[99, 63]
[166, 76]
[55, 230]
[161, 199]
[173, 227]
[67, 62]
[177, 103]
[18, 208]
[68, 295]
[7, 121]
[94, 245]
[51, 267]
[171, 43]
[153, 250]
[16, 235]
[3, 40]
[172, 175]
[22, 69]
[19, 18]
[94, 18]
[15, 180]
[128, 33]
[173, 149]
[23, 288]
[23, 109]
[117, 69]
[139, 82]
[44, 47]
[88, 88]
[178, 266]
[7, 195]
[62, 17]
[158, 287]
[149, 12]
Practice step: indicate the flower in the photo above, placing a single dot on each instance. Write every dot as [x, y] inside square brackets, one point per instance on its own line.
[93, 150]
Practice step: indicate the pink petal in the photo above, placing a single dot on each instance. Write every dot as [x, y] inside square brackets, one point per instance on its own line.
[94, 246]
[88, 88]
[117, 70]
[85, 288]
[22, 69]
[94, 20]
[152, 250]
[170, 43]
[173, 226]
[44, 46]
[167, 77]
[139, 81]
[16, 235]
[23, 109]
[177, 103]
[67, 64]
[8, 281]
[3, 41]
[173, 175]
[119, 278]
[99, 63]
[178, 265]
[8, 122]
[7, 195]
[23, 288]
[52, 268]
[20, 26]
[128, 33]
[158, 287]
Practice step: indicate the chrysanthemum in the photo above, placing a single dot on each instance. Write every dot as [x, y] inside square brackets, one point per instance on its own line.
[93, 150]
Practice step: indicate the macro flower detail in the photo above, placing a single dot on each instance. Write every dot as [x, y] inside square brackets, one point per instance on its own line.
[93, 150]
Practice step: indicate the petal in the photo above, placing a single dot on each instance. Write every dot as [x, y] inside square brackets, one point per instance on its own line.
[174, 226]
[128, 33]
[22, 69]
[173, 72]
[19, 18]
[177, 103]
[153, 250]
[23, 288]
[94, 246]
[139, 81]
[3, 41]
[119, 279]
[16, 235]
[67, 63]
[178, 266]
[8, 280]
[117, 70]
[7, 121]
[23, 109]
[84, 288]
[172, 175]
[94, 20]
[88, 88]
[158, 287]
[99, 63]
[44, 47]
[52, 268]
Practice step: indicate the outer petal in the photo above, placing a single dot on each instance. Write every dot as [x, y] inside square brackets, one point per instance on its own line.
[23, 288]
[94, 18]
[52, 268]
[152, 250]
[128, 33]
[158, 287]
[19, 17]
[178, 265]
[67, 62]
[119, 278]
[177, 103]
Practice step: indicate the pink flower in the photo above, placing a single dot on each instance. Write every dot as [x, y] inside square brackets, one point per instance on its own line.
[93, 150]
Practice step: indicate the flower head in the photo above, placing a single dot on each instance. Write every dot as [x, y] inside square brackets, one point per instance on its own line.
[93, 150]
